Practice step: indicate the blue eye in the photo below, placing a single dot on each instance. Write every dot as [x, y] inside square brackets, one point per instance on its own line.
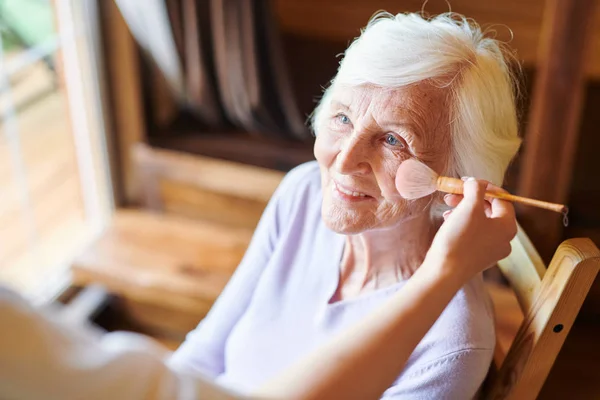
[343, 119]
[392, 141]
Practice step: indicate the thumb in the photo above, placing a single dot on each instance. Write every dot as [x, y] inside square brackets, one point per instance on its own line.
[474, 193]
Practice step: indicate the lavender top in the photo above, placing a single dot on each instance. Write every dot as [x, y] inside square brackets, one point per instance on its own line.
[276, 309]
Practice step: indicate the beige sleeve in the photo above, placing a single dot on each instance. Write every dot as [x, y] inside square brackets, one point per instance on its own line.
[44, 358]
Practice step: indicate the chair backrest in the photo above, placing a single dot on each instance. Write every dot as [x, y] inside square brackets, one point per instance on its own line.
[550, 300]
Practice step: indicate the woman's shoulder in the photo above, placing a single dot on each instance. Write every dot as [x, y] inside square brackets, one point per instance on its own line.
[301, 177]
[470, 316]
[467, 324]
[453, 358]
[300, 188]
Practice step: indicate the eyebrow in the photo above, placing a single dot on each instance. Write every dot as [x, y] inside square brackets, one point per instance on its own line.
[398, 124]
[337, 104]
[416, 124]
[413, 127]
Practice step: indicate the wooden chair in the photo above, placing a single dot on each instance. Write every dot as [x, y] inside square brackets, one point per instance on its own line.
[550, 300]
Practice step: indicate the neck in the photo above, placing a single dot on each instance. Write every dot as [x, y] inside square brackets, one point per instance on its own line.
[379, 258]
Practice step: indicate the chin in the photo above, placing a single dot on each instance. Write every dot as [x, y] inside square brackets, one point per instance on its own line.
[350, 221]
[345, 221]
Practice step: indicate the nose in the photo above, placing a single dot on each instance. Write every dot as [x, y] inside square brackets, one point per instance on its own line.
[353, 156]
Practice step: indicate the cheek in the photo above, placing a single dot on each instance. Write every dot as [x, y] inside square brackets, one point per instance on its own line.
[436, 156]
[386, 176]
[326, 148]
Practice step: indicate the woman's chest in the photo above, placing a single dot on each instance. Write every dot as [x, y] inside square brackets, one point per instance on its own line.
[278, 330]
[268, 339]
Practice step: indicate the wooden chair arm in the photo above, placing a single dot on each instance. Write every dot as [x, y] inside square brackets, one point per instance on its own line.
[563, 289]
[524, 269]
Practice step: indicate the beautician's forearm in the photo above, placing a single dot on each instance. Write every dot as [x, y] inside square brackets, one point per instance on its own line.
[365, 360]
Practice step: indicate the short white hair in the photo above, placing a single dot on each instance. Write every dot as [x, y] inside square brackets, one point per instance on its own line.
[452, 52]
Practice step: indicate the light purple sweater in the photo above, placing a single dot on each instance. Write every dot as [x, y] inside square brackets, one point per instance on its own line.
[275, 309]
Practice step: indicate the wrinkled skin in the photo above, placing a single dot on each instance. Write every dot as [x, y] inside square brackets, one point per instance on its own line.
[367, 133]
[362, 138]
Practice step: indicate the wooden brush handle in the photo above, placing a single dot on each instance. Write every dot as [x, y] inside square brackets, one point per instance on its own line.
[559, 208]
[455, 186]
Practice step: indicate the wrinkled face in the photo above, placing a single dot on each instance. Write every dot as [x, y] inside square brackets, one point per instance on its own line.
[363, 137]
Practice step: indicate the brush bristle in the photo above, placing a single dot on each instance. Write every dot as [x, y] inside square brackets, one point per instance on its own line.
[415, 180]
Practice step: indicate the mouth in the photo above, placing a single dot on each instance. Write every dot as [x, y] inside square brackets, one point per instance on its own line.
[349, 194]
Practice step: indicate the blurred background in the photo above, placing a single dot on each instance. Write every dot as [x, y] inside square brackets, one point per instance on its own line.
[52, 143]
[141, 140]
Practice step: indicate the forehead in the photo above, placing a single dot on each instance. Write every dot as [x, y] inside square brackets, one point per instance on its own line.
[414, 99]
[422, 107]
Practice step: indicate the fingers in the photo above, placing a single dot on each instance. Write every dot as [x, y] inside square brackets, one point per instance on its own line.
[453, 200]
[503, 215]
[493, 188]
[488, 209]
[446, 214]
[502, 209]
[474, 193]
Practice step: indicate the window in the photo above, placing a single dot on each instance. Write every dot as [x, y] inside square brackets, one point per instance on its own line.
[55, 194]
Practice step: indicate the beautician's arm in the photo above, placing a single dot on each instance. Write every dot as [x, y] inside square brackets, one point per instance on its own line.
[361, 363]
[42, 358]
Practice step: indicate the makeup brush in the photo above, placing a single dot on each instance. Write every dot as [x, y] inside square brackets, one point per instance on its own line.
[415, 180]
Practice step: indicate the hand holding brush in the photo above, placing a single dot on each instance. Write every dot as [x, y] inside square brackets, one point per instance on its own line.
[415, 180]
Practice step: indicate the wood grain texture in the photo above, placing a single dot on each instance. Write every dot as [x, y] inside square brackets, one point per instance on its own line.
[126, 105]
[523, 269]
[341, 20]
[553, 128]
[204, 188]
[163, 260]
[542, 334]
[575, 373]
[239, 147]
[195, 202]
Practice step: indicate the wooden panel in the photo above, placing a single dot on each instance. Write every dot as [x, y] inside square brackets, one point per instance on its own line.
[163, 104]
[575, 373]
[244, 148]
[553, 129]
[165, 261]
[205, 188]
[123, 67]
[212, 174]
[341, 20]
[195, 202]
[548, 322]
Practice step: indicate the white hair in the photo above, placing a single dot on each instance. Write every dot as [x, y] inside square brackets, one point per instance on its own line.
[451, 52]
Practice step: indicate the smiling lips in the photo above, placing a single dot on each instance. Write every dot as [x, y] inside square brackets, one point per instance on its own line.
[348, 194]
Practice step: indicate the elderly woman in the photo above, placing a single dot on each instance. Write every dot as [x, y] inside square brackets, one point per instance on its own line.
[337, 240]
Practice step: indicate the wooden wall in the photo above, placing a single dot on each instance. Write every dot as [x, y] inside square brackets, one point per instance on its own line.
[341, 20]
